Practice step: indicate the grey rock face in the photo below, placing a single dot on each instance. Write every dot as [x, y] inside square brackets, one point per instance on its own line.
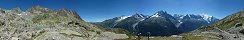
[44, 24]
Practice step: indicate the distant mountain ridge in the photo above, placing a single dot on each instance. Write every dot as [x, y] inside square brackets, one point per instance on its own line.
[191, 22]
[160, 23]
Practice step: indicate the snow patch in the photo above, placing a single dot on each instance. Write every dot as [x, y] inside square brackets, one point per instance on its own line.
[141, 16]
[189, 15]
[155, 15]
[181, 17]
[134, 25]
[198, 19]
[208, 21]
[178, 24]
[122, 18]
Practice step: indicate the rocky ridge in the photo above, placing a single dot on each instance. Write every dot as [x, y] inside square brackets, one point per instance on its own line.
[39, 23]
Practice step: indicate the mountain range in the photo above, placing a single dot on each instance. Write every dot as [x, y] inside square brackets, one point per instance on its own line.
[159, 24]
[38, 23]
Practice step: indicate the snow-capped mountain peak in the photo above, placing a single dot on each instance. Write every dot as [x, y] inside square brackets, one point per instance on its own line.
[160, 14]
[206, 17]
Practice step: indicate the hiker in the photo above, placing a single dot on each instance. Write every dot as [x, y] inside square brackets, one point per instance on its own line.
[149, 34]
[138, 35]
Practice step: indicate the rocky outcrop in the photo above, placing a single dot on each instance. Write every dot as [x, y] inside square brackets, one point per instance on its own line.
[40, 23]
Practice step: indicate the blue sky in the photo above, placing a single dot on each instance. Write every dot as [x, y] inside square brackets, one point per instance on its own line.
[99, 10]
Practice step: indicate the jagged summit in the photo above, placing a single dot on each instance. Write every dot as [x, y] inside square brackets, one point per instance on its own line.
[159, 13]
[63, 12]
[37, 8]
[162, 14]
